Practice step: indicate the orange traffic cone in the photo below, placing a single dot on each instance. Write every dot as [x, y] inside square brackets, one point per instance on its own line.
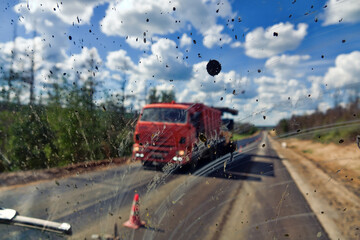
[240, 149]
[134, 220]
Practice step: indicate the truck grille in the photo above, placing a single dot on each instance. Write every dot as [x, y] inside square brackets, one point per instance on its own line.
[157, 157]
[157, 154]
[165, 146]
[164, 141]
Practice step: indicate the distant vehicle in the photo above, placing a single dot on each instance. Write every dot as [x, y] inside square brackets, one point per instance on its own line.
[181, 133]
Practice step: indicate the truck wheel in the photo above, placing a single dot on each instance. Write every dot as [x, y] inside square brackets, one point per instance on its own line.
[146, 164]
[230, 147]
[193, 164]
[214, 153]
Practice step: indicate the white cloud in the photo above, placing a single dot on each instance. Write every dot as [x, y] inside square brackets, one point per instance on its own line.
[23, 49]
[73, 67]
[116, 77]
[283, 91]
[286, 66]
[119, 61]
[266, 95]
[68, 11]
[235, 44]
[136, 18]
[142, 19]
[185, 40]
[139, 43]
[272, 117]
[346, 11]
[345, 72]
[216, 91]
[261, 43]
[83, 65]
[48, 26]
[165, 63]
[324, 106]
[272, 90]
[26, 50]
[213, 36]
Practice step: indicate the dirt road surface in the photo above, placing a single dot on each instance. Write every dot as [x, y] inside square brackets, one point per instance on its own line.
[248, 196]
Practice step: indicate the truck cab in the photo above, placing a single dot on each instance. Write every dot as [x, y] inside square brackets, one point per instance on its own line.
[175, 132]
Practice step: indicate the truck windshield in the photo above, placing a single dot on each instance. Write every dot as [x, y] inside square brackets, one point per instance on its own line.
[171, 115]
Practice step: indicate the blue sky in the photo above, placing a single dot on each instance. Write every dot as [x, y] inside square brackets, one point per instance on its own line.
[315, 54]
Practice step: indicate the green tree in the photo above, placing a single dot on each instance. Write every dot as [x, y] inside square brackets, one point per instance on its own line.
[165, 96]
[57, 89]
[153, 97]
[31, 143]
[90, 84]
[78, 134]
[283, 126]
[168, 96]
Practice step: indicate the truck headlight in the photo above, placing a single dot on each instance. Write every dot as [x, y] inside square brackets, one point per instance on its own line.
[177, 158]
[136, 148]
[181, 152]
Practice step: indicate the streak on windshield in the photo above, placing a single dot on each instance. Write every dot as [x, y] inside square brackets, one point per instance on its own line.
[171, 115]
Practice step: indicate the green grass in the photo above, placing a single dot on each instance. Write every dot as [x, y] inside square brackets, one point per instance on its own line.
[347, 133]
[307, 151]
[236, 136]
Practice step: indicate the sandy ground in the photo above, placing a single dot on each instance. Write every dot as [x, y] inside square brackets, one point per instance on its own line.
[341, 162]
[332, 171]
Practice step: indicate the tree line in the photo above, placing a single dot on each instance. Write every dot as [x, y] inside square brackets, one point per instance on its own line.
[65, 127]
[59, 123]
[337, 124]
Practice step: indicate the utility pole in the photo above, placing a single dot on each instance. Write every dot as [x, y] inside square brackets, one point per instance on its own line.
[11, 76]
[32, 73]
[123, 85]
[123, 94]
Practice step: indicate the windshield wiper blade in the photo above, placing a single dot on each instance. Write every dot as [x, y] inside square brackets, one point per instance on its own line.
[10, 216]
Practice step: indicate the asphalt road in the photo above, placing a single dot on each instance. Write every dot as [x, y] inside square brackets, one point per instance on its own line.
[247, 196]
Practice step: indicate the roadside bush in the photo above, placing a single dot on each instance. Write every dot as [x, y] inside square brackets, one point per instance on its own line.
[117, 133]
[6, 120]
[31, 142]
[78, 135]
[346, 133]
[331, 119]
[48, 136]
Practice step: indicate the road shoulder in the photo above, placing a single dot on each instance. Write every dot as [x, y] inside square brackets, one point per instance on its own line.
[14, 179]
[335, 206]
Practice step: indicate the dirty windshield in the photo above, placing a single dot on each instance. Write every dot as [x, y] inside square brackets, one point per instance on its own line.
[171, 115]
[179, 119]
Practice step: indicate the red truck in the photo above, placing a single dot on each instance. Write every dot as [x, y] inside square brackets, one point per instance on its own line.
[180, 133]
